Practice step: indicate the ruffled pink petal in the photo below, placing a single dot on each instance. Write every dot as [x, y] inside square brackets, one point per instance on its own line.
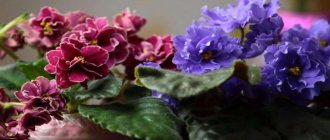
[69, 51]
[95, 55]
[77, 76]
[53, 56]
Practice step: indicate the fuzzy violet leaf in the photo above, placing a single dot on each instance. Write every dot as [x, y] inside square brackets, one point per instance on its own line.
[235, 123]
[11, 77]
[295, 123]
[181, 85]
[146, 118]
[33, 69]
[98, 89]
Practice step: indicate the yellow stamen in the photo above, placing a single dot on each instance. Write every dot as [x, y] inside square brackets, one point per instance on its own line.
[80, 58]
[295, 71]
[151, 58]
[207, 55]
[94, 42]
[47, 28]
[323, 43]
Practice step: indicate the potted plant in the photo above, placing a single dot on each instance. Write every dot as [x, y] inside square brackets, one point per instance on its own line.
[97, 79]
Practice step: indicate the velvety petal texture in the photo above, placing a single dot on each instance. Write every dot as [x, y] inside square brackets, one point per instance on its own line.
[42, 93]
[129, 21]
[49, 25]
[73, 65]
[205, 48]
[238, 16]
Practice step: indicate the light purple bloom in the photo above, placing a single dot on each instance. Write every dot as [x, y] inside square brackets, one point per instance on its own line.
[203, 49]
[262, 35]
[234, 17]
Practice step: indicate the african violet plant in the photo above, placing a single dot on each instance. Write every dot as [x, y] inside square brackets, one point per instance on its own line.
[193, 86]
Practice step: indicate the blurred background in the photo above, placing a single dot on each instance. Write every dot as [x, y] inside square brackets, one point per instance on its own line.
[164, 17]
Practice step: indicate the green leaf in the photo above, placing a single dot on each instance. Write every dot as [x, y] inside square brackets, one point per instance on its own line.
[146, 118]
[181, 85]
[135, 92]
[295, 123]
[32, 70]
[98, 89]
[239, 123]
[11, 77]
[254, 74]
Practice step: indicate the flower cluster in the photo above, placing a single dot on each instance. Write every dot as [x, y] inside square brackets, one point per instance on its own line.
[39, 100]
[47, 28]
[157, 49]
[300, 63]
[296, 60]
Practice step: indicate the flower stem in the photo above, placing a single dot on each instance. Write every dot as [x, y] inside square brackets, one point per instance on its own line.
[13, 23]
[8, 105]
[7, 50]
[7, 27]
[242, 35]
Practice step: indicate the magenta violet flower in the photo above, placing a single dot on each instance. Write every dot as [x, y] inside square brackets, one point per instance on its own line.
[155, 49]
[49, 25]
[97, 32]
[129, 21]
[42, 93]
[32, 118]
[73, 65]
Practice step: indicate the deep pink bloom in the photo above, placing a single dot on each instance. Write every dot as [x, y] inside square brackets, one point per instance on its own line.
[49, 25]
[42, 93]
[97, 32]
[32, 118]
[76, 17]
[14, 40]
[91, 28]
[74, 65]
[128, 20]
[115, 42]
[155, 49]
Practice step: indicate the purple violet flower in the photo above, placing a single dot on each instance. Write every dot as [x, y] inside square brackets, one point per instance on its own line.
[262, 35]
[203, 49]
[297, 70]
[234, 17]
